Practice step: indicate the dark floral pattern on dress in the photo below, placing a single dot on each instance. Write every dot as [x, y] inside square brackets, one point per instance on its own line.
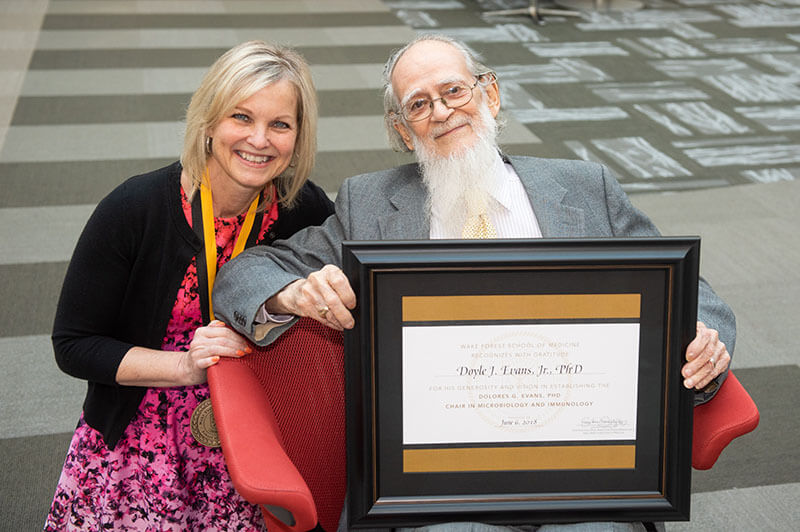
[157, 478]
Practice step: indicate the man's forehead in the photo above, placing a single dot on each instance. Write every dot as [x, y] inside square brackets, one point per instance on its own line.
[435, 87]
[428, 65]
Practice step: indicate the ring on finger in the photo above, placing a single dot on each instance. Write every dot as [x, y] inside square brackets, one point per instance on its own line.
[713, 361]
[323, 311]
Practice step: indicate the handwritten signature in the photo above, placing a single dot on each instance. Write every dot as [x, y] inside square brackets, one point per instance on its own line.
[604, 422]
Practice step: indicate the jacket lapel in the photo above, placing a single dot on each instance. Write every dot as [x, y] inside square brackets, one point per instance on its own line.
[556, 220]
[408, 221]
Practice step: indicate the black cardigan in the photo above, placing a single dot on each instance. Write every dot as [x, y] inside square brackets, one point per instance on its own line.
[123, 279]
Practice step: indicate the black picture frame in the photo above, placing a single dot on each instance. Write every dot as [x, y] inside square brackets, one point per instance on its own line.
[655, 486]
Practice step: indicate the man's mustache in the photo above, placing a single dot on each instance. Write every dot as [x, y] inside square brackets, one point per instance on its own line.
[452, 123]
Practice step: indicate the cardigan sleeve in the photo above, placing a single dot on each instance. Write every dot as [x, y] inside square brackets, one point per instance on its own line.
[312, 207]
[95, 285]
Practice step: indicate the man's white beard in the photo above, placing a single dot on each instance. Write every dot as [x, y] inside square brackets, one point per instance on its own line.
[458, 184]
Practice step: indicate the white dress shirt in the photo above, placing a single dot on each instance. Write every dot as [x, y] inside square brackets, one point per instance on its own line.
[509, 209]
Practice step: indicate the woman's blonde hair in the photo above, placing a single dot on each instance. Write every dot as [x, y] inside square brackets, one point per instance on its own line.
[238, 74]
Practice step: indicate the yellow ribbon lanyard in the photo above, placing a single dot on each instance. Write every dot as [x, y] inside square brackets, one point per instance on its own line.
[210, 240]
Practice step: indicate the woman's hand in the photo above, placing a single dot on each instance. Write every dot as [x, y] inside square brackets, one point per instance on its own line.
[211, 342]
[157, 369]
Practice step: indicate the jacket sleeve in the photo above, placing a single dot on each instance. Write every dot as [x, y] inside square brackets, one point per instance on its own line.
[258, 273]
[627, 220]
[92, 294]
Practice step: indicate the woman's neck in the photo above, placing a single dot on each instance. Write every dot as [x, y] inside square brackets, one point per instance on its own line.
[227, 202]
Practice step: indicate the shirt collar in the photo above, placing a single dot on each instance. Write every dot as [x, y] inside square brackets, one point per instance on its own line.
[501, 176]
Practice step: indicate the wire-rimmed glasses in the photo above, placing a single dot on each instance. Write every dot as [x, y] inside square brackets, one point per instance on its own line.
[452, 95]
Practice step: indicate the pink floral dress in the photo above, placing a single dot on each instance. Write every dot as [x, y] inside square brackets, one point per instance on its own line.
[157, 478]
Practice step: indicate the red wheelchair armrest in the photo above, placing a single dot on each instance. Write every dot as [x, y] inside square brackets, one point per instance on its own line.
[259, 467]
[730, 414]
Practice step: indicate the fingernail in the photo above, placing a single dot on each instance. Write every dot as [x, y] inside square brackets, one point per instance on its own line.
[239, 353]
[248, 349]
[214, 359]
[688, 383]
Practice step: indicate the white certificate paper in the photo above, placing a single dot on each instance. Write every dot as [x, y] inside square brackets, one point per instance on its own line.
[520, 383]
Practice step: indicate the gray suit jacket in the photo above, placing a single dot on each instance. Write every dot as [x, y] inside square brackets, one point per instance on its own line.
[569, 199]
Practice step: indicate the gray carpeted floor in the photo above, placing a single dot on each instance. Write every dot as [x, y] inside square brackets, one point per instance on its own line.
[695, 104]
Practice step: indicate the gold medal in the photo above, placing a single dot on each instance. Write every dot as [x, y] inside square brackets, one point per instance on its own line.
[204, 428]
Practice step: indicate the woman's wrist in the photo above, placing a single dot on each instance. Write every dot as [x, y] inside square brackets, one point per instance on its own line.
[153, 368]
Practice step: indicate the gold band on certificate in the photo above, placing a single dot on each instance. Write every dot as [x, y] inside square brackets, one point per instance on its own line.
[538, 458]
[483, 373]
[521, 307]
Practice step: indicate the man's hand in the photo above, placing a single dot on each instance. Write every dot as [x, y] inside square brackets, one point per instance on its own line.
[325, 296]
[706, 357]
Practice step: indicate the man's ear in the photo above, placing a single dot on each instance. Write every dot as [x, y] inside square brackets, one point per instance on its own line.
[493, 98]
[404, 133]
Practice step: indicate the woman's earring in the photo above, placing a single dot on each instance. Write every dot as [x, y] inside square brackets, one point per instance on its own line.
[208, 145]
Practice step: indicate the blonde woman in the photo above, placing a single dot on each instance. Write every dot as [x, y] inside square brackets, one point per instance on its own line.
[135, 319]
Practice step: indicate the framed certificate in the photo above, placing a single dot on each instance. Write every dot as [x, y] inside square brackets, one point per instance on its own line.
[519, 381]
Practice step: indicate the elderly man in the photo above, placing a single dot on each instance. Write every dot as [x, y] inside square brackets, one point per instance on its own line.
[442, 103]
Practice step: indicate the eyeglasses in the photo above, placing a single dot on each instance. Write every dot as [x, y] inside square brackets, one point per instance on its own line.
[453, 96]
